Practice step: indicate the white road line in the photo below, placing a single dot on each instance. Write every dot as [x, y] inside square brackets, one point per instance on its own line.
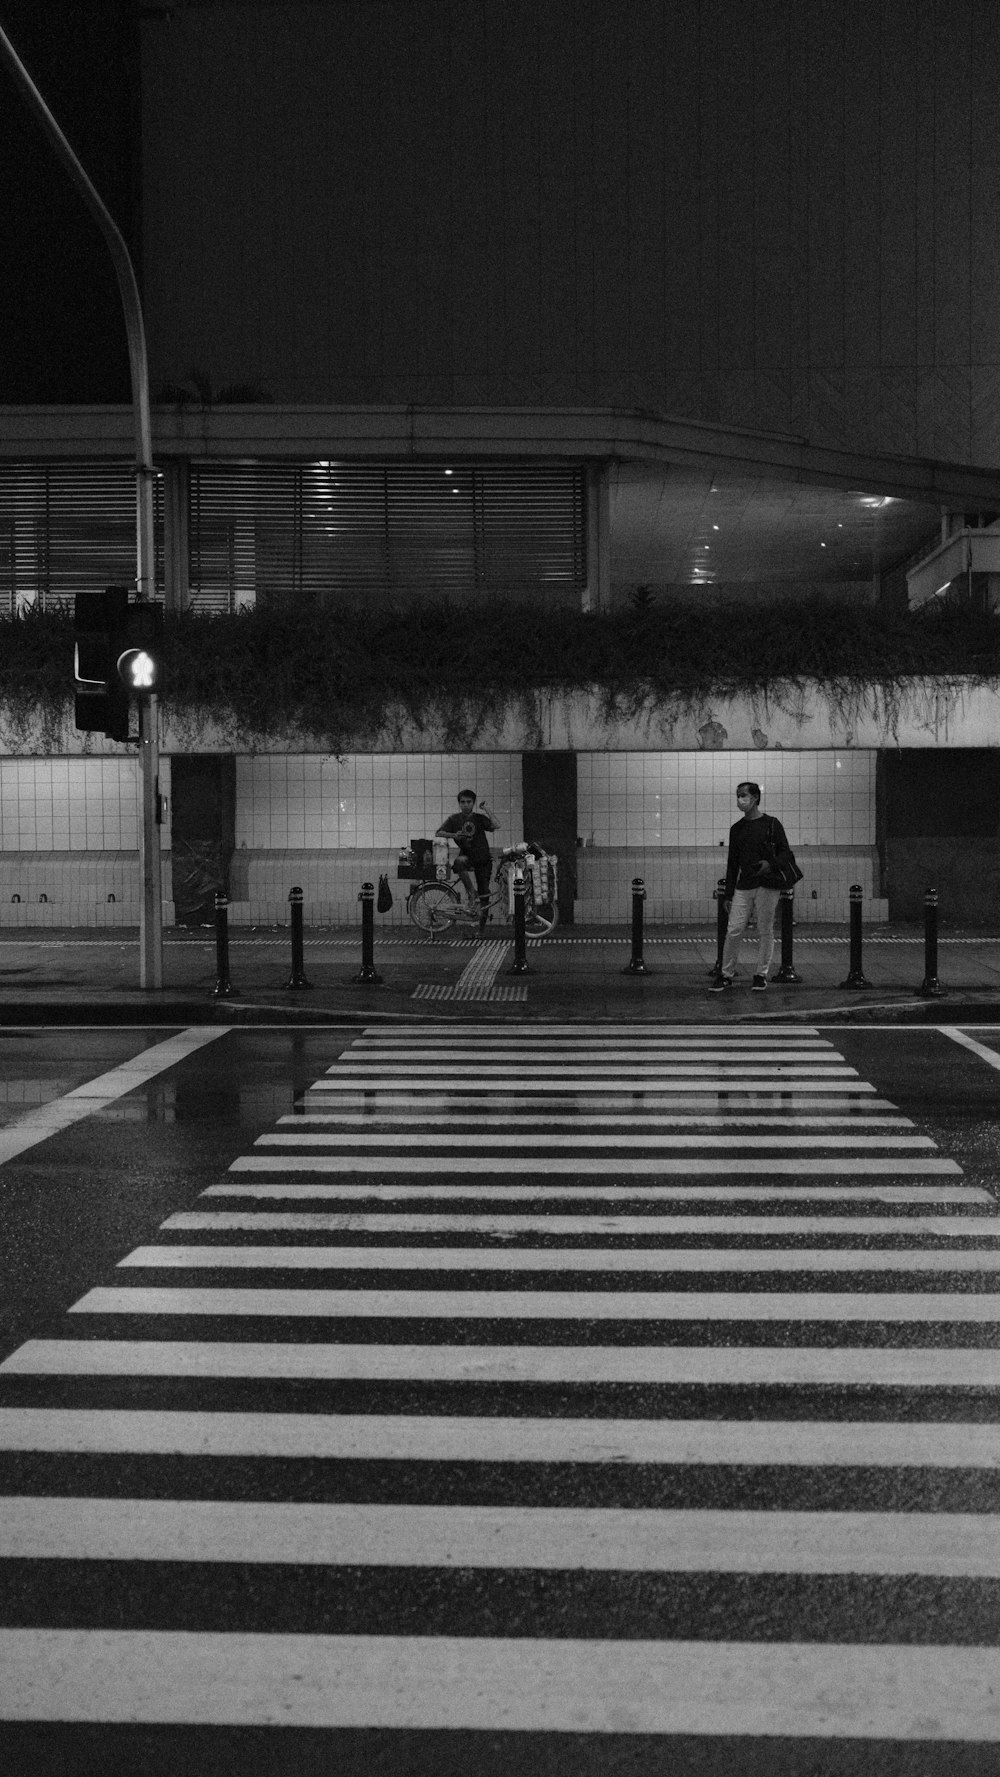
[354, 1068]
[615, 1099]
[403, 1222]
[482, 1031]
[990, 1056]
[846, 1191]
[582, 1166]
[835, 1443]
[616, 1258]
[525, 1121]
[645, 1305]
[50, 1119]
[539, 1036]
[621, 1094]
[912, 1366]
[577, 1539]
[496, 1684]
[525, 1139]
[587, 1056]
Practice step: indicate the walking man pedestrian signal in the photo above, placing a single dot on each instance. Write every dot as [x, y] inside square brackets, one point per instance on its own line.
[117, 656]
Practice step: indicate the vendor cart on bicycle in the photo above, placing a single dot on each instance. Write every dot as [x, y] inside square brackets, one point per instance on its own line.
[436, 904]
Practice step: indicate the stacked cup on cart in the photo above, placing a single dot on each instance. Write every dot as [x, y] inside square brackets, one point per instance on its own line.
[542, 871]
[539, 869]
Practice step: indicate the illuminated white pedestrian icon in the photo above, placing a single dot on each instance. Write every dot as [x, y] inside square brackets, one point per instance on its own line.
[138, 669]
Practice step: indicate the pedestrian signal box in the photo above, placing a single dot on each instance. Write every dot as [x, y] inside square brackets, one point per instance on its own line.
[117, 657]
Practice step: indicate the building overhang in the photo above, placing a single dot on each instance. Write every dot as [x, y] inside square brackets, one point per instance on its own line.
[687, 504]
[579, 433]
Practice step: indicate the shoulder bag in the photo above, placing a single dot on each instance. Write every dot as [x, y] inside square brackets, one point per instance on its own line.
[783, 872]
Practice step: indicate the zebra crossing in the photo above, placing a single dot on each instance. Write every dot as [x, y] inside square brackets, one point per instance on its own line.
[632, 1384]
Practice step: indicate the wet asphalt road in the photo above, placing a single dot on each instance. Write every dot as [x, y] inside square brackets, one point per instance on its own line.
[86, 1196]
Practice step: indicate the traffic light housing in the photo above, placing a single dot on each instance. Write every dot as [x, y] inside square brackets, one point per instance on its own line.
[139, 662]
[117, 656]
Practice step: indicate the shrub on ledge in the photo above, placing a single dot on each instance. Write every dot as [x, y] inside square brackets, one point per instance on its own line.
[338, 673]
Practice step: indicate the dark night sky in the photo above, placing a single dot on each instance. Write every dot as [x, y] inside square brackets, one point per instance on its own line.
[60, 314]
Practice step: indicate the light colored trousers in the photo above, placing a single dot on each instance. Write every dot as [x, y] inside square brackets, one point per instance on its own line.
[744, 900]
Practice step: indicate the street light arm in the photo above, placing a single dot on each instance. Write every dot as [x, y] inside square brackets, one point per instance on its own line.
[129, 291]
[151, 909]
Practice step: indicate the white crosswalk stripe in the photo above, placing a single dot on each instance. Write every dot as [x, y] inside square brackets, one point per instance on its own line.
[691, 1322]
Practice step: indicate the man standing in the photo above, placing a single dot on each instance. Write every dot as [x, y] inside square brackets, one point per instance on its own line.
[753, 842]
[468, 830]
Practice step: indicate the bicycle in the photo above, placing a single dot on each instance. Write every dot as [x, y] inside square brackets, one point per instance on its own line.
[437, 906]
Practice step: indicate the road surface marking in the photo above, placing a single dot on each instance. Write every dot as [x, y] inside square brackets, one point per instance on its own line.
[525, 1139]
[911, 1366]
[49, 1119]
[581, 1539]
[846, 1192]
[990, 1056]
[432, 1438]
[649, 1305]
[485, 1258]
[497, 1683]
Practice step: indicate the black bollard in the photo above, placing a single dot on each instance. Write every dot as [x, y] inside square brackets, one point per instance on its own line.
[856, 978]
[721, 926]
[297, 978]
[637, 966]
[520, 964]
[787, 969]
[368, 975]
[223, 985]
[930, 987]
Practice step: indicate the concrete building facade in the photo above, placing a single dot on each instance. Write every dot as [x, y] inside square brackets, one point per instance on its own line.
[706, 289]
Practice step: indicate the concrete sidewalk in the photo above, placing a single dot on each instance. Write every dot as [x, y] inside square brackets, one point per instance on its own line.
[579, 973]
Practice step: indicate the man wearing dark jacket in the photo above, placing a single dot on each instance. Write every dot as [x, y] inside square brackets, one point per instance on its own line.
[753, 841]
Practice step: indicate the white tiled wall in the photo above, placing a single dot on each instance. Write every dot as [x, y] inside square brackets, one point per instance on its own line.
[367, 800]
[72, 805]
[689, 799]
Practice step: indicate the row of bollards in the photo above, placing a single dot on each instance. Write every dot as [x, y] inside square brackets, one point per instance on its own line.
[368, 975]
[298, 979]
[930, 987]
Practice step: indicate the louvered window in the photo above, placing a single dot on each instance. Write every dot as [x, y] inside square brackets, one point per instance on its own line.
[67, 528]
[282, 531]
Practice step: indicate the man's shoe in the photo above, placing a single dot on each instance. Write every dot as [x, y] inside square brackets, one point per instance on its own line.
[759, 983]
[722, 984]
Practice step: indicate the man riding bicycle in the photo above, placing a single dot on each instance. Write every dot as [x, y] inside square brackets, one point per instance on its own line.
[468, 830]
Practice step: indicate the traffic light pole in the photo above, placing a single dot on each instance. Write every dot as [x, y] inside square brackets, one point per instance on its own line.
[151, 908]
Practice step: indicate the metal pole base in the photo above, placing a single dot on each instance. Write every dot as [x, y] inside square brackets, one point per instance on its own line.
[930, 988]
[367, 977]
[224, 990]
[855, 979]
[787, 974]
[297, 981]
[518, 967]
[634, 968]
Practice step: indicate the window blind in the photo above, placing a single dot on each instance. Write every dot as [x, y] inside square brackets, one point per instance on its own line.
[283, 531]
[67, 528]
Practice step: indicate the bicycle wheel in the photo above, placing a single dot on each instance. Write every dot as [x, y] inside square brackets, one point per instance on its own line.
[433, 906]
[540, 919]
